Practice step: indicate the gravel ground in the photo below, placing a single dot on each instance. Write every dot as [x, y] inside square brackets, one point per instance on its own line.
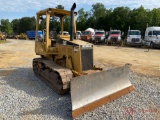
[24, 96]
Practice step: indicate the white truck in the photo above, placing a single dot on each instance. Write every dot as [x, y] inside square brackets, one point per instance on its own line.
[64, 32]
[99, 36]
[114, 37]
[78, 34]
[134, 38]
[152, 37]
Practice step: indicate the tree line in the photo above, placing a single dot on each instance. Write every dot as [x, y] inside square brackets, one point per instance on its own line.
[99, 17]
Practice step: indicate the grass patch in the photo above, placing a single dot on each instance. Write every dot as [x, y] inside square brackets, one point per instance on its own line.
[3, 41]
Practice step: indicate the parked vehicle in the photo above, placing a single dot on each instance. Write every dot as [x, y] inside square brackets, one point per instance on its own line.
[11, 36]
[2, 36]
[32, 33]
[78, 34]
[134, 38]
[88, 34]
[152, 37]
[114, 37]
[68, 67]
[22, 36]
[99, 36]
[64, 33]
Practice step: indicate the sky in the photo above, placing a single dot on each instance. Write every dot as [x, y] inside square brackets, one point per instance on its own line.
[16, 9]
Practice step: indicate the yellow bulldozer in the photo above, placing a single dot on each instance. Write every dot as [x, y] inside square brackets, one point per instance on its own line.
[66, 65]
[2, 36]
[21, 36]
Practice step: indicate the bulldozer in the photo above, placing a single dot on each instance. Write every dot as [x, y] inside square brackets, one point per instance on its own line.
[21, 36]
[66, 65]
[2, 36]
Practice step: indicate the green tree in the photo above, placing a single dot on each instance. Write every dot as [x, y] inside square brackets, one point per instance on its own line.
[42, 24]
[6, 26]
[105, 22]
[155, 17]
[119, 18]
[81, 19]
[55, 21]
[15, 26]
[60, 7]
[98, 11]
[66, 24]
[98, 17]
[27, 23]
[139, 19]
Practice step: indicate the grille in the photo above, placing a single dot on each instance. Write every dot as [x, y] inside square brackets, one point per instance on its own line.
[114, 38]
[84, 37]
[135, 39]
[87, 59]
[97, 36]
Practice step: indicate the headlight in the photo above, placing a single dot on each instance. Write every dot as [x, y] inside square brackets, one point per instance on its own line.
[119, 38]
[102, 36]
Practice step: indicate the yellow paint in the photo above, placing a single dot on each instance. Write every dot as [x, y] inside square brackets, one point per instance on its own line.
[60, 53]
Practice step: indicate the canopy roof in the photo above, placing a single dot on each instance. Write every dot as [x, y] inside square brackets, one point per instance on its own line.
[55, 12]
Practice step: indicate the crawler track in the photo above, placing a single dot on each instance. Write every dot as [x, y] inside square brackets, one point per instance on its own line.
[54, 75]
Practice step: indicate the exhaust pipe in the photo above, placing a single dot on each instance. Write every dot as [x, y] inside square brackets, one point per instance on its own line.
[72, 22]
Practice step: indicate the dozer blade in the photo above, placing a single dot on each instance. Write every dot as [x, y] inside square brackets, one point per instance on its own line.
[91, 91]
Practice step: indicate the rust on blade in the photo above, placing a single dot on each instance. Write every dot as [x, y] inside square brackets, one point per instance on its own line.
[101, 102]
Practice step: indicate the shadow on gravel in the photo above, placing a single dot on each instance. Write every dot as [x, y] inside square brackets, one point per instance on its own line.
[42, 99]
[35, 100]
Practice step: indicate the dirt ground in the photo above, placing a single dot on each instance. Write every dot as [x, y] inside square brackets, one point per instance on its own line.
[15, 53]
[143, 61]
